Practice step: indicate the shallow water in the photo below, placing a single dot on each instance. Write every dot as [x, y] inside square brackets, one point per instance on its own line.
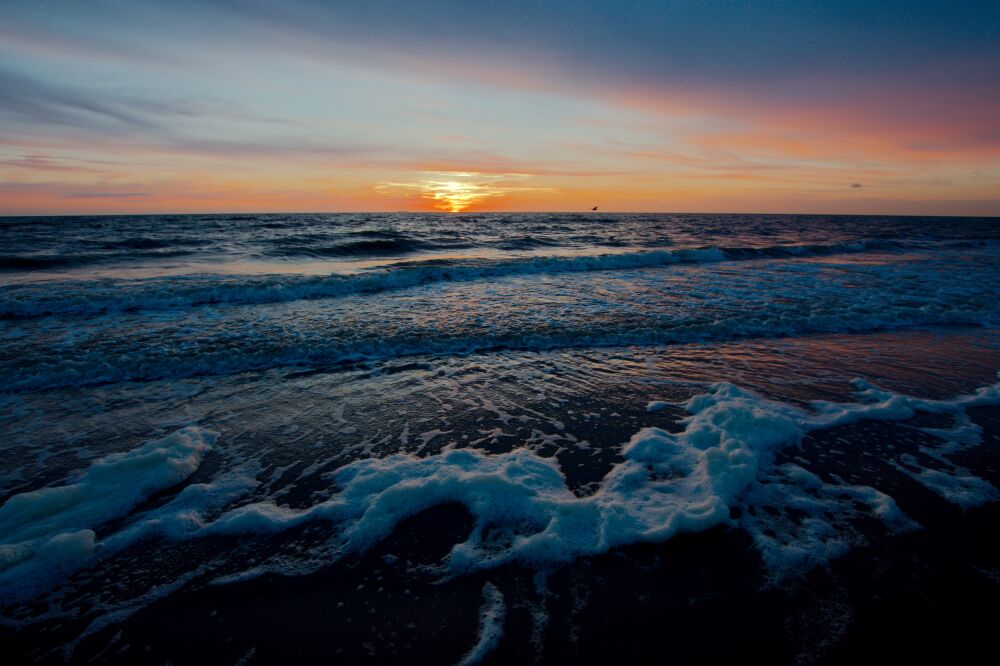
[190, 401]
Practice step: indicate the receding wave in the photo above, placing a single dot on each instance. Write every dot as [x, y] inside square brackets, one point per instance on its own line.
[96, 297]
[247, 351]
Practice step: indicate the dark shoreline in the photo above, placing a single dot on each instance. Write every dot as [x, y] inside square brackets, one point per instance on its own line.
[923, 596]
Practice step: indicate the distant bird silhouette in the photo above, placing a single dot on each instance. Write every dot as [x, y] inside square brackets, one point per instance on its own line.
[594, 208]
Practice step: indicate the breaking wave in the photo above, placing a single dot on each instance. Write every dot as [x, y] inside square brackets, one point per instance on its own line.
[246, 351]
[108, 296]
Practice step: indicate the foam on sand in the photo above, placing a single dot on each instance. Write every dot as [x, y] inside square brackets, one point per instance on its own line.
[50, 531]
[719, 469]
[490, 631]
[668, 483]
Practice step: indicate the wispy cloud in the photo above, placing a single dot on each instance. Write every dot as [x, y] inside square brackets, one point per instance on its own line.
[49, 163]
[35, 101]
[287, 104]
[105, 195]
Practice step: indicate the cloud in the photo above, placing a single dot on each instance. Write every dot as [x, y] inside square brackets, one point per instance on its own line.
[716, 96]
[105, 195]
[724, 40]
[784, 47]
[919, 75]
[923, 75]
[36, 102]
[48, 163]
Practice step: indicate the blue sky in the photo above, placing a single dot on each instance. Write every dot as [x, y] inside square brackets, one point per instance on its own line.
[384, 105]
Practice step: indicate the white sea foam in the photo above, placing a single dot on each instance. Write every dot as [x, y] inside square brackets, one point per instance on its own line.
[50, 531]
[959, 486]
[669, 483]
[718, 470]
[797, 521]
[490, 630]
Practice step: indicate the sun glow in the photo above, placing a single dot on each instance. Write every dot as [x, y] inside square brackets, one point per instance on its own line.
[453, 196]
[454, 192]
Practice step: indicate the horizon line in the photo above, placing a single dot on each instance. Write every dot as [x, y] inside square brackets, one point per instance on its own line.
[492, 212]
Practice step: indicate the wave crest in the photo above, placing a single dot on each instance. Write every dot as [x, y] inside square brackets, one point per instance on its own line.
[87, 298]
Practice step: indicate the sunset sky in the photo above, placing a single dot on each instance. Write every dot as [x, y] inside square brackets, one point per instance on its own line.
[241, 105]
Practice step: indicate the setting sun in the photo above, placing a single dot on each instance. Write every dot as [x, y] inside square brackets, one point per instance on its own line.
[458, 191]
[454, 197]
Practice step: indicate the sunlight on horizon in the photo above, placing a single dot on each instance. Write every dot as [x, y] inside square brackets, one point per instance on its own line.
[130, 109]
[456, 192]
[454, 197]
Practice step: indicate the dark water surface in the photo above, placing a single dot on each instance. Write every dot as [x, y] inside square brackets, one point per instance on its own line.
[429, 438]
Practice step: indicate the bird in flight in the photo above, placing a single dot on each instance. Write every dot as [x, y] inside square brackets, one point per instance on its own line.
[594, 208]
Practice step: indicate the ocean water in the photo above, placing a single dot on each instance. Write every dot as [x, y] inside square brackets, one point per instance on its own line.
[445, 438]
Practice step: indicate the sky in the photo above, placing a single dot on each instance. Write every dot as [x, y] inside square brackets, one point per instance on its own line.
[132, 106]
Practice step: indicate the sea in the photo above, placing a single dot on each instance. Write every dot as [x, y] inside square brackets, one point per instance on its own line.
[485, 438]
